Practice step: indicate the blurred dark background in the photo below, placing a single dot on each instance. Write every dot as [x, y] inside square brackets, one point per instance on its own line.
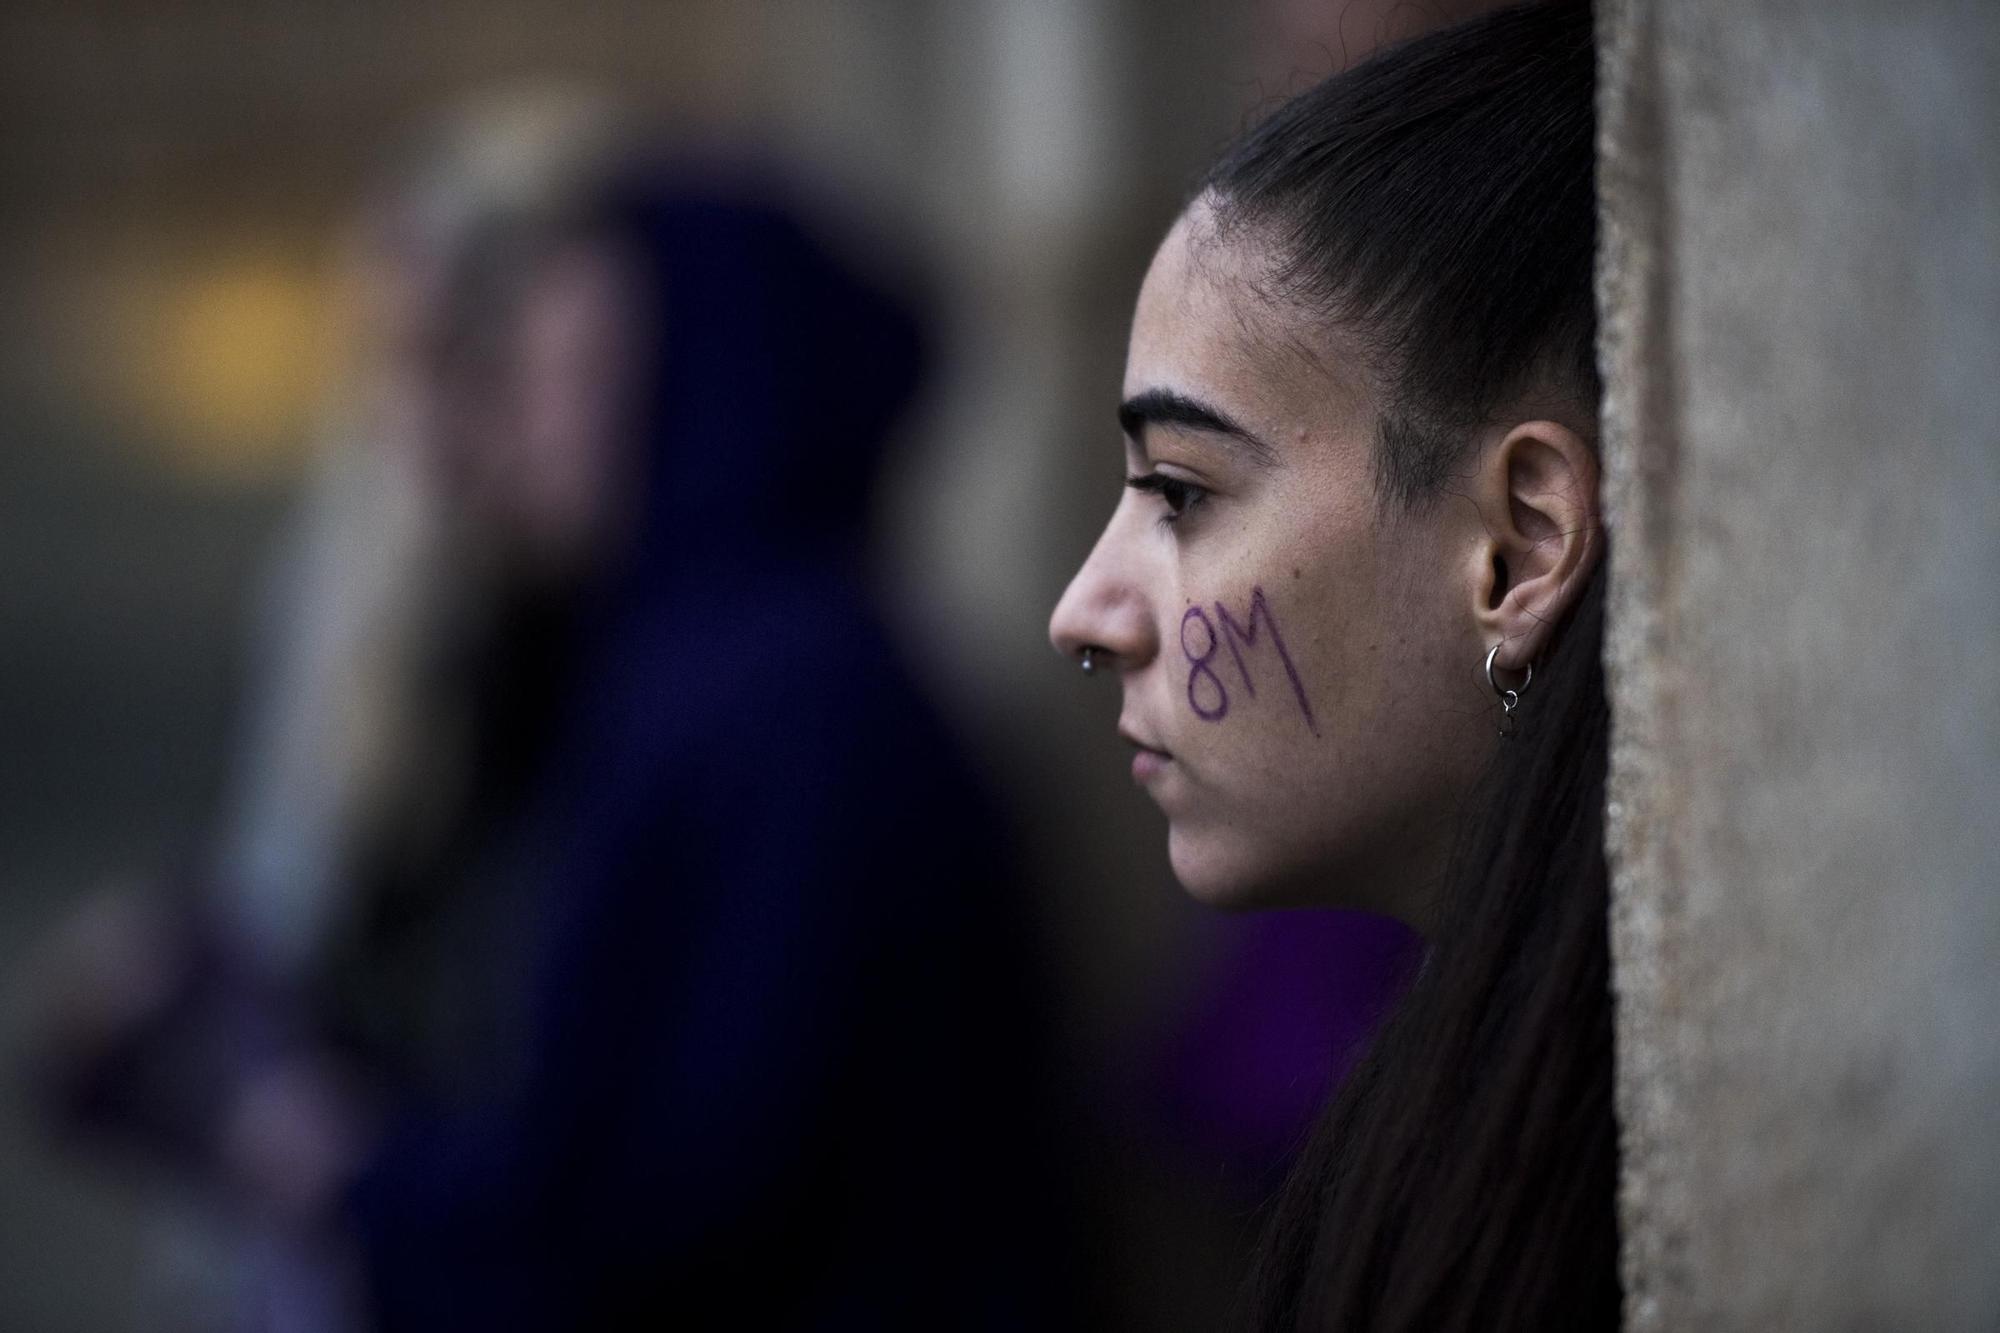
[176, 188]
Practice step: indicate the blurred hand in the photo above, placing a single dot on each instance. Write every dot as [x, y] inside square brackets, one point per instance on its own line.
[293, 1135]
[132, 1026]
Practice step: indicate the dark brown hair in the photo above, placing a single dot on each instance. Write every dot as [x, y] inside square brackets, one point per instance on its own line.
[1438, 202]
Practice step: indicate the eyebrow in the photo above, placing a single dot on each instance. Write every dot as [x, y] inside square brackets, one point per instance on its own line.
[1165, 407]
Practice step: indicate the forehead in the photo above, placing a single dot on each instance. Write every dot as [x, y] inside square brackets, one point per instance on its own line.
[1208, 325]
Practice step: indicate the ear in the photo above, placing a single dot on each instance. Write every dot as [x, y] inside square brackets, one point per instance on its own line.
[1536, 492]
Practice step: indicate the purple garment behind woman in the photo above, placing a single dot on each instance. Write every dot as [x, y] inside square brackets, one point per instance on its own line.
[1288, 1003]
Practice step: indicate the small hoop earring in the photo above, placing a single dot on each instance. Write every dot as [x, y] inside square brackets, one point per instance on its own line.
[1509, 699]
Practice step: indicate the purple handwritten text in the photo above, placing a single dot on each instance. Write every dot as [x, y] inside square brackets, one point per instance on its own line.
[1199, 670]
[1206, 693]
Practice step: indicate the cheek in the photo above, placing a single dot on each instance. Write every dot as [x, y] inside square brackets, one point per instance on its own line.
[1234, 653]
[1263, 652]
[1320, 719]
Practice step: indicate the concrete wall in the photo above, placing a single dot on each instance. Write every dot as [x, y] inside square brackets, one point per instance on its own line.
[1802, 297]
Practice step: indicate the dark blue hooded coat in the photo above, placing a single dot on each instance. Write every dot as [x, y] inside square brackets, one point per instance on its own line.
[777, 1065]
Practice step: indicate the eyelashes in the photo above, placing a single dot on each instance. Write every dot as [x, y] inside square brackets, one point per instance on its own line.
[1179, 496]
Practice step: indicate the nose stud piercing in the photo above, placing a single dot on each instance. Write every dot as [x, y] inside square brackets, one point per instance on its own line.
[1088, 661]
[1509, 699]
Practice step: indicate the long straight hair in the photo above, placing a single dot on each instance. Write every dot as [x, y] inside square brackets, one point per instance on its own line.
[1438, 203]
[1464, 1176]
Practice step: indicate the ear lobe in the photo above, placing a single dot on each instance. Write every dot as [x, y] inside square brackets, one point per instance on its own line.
[1537, 494]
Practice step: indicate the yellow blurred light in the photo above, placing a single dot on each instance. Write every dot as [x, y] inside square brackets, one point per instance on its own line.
[238, 363]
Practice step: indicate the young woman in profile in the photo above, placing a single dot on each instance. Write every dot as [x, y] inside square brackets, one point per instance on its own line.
[1353, 597]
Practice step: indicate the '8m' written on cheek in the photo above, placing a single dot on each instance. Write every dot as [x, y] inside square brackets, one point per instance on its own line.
[1205, 691]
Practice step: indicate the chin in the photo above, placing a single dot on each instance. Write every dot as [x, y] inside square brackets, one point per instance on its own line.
[1230, 879]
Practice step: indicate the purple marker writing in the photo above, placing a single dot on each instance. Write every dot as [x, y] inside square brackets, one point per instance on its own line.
[1238, 635]
[1199, 670]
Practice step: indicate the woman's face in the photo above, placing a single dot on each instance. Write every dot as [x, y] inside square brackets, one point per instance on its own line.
[1300, 666]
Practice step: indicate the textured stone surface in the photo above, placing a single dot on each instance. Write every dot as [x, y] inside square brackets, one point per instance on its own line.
[1801, 284]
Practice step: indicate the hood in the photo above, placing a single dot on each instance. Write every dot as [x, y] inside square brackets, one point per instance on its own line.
[776, 372]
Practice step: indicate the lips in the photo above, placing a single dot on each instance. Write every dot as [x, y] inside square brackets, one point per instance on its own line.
[1149, 761]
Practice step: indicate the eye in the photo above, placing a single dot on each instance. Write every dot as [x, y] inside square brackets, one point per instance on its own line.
[1180, 496]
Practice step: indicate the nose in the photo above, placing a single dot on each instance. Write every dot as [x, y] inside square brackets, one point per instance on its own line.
[1106, 607]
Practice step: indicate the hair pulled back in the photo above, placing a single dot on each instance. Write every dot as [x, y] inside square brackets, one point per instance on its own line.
[1436, 204]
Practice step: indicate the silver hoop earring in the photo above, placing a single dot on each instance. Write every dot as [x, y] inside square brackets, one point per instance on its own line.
[1509, 699]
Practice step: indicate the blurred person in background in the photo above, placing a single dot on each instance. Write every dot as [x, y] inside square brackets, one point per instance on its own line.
[607, 930]
[1361, 535]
